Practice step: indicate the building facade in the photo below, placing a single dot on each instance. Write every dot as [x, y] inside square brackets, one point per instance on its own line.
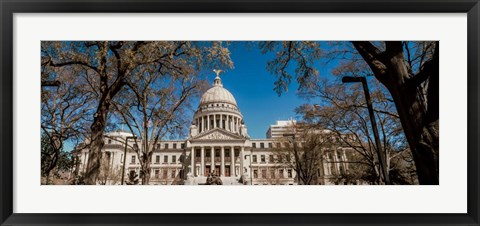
[218, 143]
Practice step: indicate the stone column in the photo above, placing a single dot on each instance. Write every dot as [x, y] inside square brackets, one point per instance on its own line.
[222, 162]
[203, 124]
[192, 156]
[242, 159]
[208, 122]
[202, 161]
[337, 164]
[221, 122]
[230, 123]
[212, 158]
[232, 164]
[345, 161]
[215, 121]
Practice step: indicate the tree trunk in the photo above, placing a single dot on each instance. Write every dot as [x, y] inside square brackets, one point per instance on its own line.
[420, 134]
[96, 145]
[146, 175]
[47, 179]
[419, 122]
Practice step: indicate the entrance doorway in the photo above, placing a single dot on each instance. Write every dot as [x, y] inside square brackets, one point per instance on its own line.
[217, 170]
[227, 171]
[207, 171]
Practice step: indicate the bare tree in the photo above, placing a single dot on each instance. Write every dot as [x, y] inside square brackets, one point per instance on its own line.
[109, 174]
[409, 71]
[343, 111]
[303, 152]
[155, 103]
[65, 109]
[110, 65]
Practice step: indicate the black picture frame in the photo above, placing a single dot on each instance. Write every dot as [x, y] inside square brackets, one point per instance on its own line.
[9, 7]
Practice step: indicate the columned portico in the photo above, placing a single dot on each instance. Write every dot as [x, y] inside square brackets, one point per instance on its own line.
[216, 134]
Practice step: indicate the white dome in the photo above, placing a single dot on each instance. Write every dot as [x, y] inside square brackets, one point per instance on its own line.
[217, 94]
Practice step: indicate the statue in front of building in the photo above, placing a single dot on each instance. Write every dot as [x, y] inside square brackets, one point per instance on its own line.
[213, 179]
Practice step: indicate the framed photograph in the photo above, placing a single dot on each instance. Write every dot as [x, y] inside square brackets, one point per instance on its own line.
[298, 113]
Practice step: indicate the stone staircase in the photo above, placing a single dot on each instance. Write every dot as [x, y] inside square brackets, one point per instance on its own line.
[202, 180]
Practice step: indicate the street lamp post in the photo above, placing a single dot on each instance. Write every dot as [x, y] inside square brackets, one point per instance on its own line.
[251, 168]
[125, 156]
[363, 80]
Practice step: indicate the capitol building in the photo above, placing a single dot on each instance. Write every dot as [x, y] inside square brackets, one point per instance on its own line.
[218, 143]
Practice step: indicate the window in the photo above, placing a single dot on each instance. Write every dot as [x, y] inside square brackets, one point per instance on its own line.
[133, 159]
[182, 145]
[237, 153]
[262, 145]
[174, 173]
[227, 153]
[254, 158]
[264, 173]
[272, 173]
[121, 158]
[207, 153]
[281, 173]
[270, 158]
[158, 146]
[165, 158]
[174, 146]
[262, 158]
[174, 159]
[165, 174]
[109, 141]
[166, 146]
[289, 173]
[157, 159]
[279, 158]
[255, 173]
[254, 145]
[270, 145]
[157, 173]
[288, 158]
[197, 153]
[135, 146]
[217, 153]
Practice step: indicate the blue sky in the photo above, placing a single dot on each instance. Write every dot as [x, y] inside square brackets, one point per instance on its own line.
[252, 86]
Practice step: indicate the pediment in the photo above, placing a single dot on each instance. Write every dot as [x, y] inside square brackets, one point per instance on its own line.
[218, 134]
